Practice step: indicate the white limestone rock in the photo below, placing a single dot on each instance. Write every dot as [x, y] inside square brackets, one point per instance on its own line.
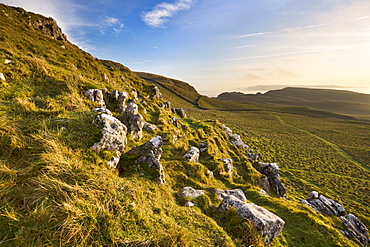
[192, 155]
[267, 224]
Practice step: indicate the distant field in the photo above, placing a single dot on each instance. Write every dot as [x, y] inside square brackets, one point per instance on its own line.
[338, 101]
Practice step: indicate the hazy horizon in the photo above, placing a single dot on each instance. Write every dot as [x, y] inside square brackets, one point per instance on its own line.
[224, 46]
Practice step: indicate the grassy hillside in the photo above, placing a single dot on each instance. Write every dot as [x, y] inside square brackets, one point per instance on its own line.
[337, 101]
[56, 191]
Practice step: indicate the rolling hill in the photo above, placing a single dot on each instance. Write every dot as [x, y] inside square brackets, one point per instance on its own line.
[337, 101]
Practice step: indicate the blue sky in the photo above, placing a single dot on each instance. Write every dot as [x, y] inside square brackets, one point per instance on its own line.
[225, 45]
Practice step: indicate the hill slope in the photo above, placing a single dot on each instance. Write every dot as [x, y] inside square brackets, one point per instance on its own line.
[338, 101]
[55, 190]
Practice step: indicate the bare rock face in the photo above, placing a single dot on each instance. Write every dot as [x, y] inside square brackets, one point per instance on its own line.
[228, 165]
[96, 95]
[49, 26]
[146, 157]
[324, 205]
[149, 127]
[271, 170]
[190, 192]
[113, 134]
[192, 155]
[268, 224]
[175, 122]
[238, 193]
[355, 229]
[133, 120]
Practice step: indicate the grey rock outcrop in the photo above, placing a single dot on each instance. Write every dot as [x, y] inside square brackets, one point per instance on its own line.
[190, 192]
[133, 120]
[267, 224]
[192, 155]
[2, 77]
[149, 127]
[121, 102]
[355, 229]
[238, 193]
[149, 153]
[236, 141]
[166, 105]
[157, 93]
[113, 133]
[228, 165]
[180, 112]
[271, 171]
[102, 110]
[49, 26]
[96, 95]
[324, 205]
[175, 122]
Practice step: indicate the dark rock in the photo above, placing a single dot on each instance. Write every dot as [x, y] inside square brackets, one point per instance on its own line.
[267, 224]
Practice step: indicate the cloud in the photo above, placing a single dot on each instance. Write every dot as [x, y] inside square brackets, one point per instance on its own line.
[302, 28]
[163, 11]
[111, 23]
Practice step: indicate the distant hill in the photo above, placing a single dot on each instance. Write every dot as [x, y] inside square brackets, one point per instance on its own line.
[337, 101]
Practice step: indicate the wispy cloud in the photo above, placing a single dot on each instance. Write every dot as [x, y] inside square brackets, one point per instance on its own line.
[111, 23]
[301, 28]
[163, 11]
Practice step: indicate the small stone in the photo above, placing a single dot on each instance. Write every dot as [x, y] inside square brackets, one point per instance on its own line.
[7, 61]
[2, 77]
[238, 193]
[190, 204]
[190, 192]
[192, 155]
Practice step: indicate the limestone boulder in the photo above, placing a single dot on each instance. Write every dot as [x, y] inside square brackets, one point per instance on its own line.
[190, 192]
[113, 133]
[355, 229]
[2, 77]
[271, 171]
[133, 120]
[157, 93]
[96, 95]
[121, 102]
[228, 165]
[238, 193]
[147, 158]
[192, 155]
[180, 112]
[324, 205]
[267, 224]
